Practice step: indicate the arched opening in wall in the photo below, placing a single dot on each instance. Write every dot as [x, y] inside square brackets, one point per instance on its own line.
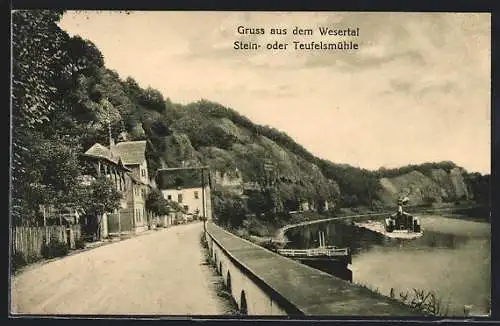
[243, 304]
[228, 283]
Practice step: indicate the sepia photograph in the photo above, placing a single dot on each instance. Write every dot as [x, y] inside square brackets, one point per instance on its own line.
[234, 163]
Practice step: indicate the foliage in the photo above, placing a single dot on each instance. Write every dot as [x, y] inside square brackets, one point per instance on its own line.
[480, 186]
[63, 98]
[424, 168]
[156, 203]
[51, 178]
[79, 243]
[101, 197]
[229, 209]
[175, 207]
[203, 240]
[19, 260]
[357, 186]
[38, 61]
[260, 202]
[54, 248]
[426, 302]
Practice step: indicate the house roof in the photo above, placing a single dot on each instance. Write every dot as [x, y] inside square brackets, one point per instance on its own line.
[137, 180]
[98, 151]
[182, 177]
[131, 152]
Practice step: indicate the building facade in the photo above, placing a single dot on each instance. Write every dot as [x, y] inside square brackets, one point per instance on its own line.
[133, 156]
[189, 188]
[125, 163]
[96, 162]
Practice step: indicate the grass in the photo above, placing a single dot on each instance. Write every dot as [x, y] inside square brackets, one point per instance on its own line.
[20, 260]
[221, 289]
[51, 250]
[426, 302]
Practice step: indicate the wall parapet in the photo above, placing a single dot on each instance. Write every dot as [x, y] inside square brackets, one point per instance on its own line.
[295, 288]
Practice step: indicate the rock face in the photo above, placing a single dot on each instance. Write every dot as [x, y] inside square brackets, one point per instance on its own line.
[436, 187]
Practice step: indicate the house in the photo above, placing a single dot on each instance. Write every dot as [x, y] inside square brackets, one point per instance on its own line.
[97, 161]
[133, 156]
[125, 163]
[189, 187]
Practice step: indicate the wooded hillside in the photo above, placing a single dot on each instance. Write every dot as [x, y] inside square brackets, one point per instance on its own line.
[64, 97]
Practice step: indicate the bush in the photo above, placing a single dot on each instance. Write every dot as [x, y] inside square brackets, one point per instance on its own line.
[18, 261]
[427, 302]
[55, 248]
[203, 240]
[79, 243]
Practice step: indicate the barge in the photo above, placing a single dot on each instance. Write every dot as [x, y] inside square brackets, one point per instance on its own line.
[329, 259]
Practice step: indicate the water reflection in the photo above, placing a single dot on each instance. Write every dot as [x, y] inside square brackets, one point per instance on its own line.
[452, 258]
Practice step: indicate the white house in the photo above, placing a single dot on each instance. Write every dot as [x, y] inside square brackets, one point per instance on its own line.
[189, 187]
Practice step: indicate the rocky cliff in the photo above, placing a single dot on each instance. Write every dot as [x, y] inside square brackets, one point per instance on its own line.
[437, 186]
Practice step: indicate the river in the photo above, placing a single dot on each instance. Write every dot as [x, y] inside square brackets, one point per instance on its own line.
[452, 259]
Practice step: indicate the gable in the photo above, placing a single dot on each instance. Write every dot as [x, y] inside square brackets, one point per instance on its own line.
[131, 152]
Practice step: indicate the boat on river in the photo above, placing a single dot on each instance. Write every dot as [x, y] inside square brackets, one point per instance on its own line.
[397, 225]
[329, 259]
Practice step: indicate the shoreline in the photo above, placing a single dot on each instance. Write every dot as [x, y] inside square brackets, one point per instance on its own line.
[280, 237]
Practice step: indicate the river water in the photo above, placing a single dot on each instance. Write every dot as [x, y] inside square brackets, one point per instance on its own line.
[452, 259]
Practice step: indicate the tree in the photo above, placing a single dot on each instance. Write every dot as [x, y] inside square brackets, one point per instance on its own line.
[156, 203]
[37, 57]
[99, 198]
[152, 99]
[38, 61]
[50, 179]
[229, 208]
[260, 203]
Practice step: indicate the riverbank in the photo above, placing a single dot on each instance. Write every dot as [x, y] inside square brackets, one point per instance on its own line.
[265, 232]
[432, 264]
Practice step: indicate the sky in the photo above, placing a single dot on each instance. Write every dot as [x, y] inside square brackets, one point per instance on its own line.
[416, 90]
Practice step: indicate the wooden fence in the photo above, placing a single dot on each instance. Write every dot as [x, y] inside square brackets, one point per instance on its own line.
[29, 240]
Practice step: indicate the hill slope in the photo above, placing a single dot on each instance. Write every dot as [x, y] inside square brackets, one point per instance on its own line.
[84, 98]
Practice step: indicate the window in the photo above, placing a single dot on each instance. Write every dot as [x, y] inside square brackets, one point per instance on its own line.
[179, 198]
[143, 173]
[169, 197]
[186, 208]
[196, 195]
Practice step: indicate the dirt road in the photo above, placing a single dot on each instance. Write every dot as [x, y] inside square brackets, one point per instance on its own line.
[158, 273]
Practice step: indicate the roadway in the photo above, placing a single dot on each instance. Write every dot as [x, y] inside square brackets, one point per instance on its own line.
[162, 272]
